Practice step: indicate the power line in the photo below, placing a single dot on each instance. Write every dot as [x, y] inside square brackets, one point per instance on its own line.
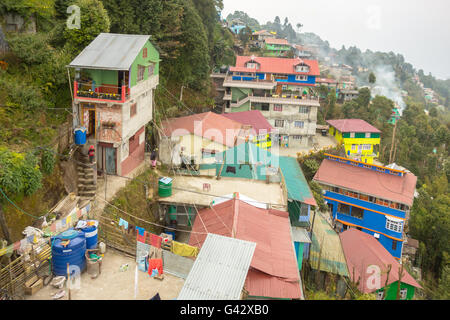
[17, 207]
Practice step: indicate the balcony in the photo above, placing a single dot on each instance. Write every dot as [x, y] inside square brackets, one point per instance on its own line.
[248, 82]
[105, 92]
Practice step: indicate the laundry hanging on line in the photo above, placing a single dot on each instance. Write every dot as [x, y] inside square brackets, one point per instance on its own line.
[184, 250]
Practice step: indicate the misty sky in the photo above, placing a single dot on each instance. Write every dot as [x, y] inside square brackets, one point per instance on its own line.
[417, 29]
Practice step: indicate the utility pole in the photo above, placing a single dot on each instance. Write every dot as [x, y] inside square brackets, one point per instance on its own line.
[393, 141]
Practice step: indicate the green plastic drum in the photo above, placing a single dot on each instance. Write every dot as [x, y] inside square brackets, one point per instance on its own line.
[165, 187]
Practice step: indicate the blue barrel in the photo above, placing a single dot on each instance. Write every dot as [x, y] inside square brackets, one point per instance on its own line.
[72, 254]
[80, 135]
[91, 233]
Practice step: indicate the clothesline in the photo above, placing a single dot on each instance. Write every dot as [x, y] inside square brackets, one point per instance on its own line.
[151, 223]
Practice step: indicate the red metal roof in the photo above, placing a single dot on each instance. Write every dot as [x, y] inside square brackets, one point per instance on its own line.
[276, 65]
[352, 125]
[213, 126]
[251, 117]
[276, 41]
[362, 250]
[367, 181]
[274, 271]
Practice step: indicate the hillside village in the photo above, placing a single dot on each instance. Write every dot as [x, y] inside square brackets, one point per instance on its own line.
[292, 179]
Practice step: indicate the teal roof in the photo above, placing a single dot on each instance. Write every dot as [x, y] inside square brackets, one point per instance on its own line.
[247, 153]
[296, 184]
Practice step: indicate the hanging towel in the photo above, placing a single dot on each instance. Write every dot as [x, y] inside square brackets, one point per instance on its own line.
[184, 250]
[68, 220]
[141, 231]
[155, 264]
[141, 238]
[155, 240]
[123, 223]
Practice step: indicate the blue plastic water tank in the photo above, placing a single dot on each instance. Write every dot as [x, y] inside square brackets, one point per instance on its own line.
[80, 135]
[91, 234]
[72, 254]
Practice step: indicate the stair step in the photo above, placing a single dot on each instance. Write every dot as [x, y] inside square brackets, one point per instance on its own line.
[86, 187]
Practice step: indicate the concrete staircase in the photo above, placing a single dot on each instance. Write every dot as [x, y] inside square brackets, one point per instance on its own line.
[87, 180]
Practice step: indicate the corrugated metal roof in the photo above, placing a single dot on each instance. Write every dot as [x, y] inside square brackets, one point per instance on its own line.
[296, 184]
[300, 235]
[220, 270]
[363, 250]
[274, 255]
[352, 125]
[111, 51]
[326, 251]
[370, 182]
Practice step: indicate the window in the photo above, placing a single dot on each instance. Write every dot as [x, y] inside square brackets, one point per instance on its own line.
[354, 146]
[303, 109]
[279, 123]
[133, 110]
[284, 87]
[144, 53]
[252, 65]
[403, 293]
[394, 224]
[151, 69]
[277, 107]
[352, 134]
[299, 124]
[366, 146]
[265, 107]
[357, 212]
[300, 77]
[343, 208]
[303, 210]
[140, 74]
[367, 134]
[394, 245]
[297, 137]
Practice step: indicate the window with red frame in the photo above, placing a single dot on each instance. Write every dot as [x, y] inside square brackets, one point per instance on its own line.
[144, 53]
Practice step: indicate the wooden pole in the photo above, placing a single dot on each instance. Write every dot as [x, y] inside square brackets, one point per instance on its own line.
[392, 143]
[4, 226]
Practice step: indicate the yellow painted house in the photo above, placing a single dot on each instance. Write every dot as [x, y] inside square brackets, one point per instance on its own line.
[361, 140]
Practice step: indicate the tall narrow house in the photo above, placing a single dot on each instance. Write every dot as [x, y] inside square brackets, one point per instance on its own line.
[115, 76]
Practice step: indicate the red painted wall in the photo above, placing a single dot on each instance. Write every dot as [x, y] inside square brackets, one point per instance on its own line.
[135, 157]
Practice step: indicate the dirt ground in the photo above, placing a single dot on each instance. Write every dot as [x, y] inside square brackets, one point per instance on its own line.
[113, 284]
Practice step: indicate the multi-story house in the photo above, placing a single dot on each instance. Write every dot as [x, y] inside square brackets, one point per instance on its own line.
[370, 198]
[274, 47]
[115, 76]
[361, 140]
[282, 89]
[258, 37]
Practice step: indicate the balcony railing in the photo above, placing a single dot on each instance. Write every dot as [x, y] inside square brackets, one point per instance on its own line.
[105, 92]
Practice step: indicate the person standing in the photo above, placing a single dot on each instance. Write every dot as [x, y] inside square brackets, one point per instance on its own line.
[153, 158]
[91, 153]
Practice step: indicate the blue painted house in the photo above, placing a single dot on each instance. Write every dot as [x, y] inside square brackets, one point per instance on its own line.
[370, 198]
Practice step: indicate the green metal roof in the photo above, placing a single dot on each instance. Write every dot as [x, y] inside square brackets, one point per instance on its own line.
[326, 251]
[296, 184]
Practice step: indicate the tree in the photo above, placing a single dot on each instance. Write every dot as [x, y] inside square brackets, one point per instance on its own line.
[93, 20]
[244, 36]
[372, 78]
[19, 175]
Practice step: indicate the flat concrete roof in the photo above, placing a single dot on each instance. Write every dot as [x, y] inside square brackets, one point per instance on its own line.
[189, 190]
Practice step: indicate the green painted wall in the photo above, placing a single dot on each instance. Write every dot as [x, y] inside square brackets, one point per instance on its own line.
[239, 93]
[391, 293]
[152, 56]
[103, 76]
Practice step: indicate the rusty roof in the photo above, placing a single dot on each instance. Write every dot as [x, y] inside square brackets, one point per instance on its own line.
[274, 271]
